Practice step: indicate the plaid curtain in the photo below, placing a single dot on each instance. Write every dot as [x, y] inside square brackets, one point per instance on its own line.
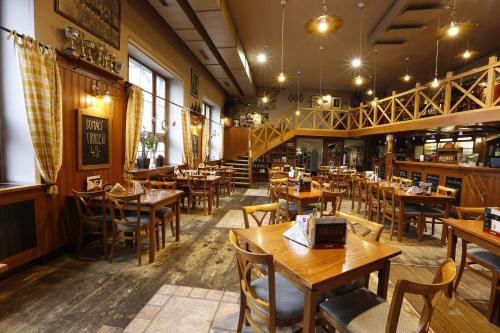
[187, 158]
[43, 99]
[206, 141]
[133, 122]
[221, 154]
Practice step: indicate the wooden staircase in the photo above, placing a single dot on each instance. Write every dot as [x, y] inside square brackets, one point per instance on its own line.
[243, 171]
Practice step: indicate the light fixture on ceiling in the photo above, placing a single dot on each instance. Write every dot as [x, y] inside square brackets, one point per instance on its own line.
[369, 92]
[281, 76]
[265, 99]
[323, 24]
[358, 80]
[297, 112]
[262, 58]
[407, 76]
[467, 54]
[455, 29]
[435, 82]
[356, 62]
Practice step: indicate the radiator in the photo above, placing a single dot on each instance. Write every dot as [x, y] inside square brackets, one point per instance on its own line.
[17, 228]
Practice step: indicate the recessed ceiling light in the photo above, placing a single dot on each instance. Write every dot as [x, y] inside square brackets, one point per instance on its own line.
[261, 58]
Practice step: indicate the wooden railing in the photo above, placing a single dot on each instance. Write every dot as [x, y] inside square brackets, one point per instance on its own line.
[459, 99]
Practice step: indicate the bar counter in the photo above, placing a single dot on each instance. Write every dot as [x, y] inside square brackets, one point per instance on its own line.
[477, 185]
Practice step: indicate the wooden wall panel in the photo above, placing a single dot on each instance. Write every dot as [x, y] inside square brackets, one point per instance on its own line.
[236, 142]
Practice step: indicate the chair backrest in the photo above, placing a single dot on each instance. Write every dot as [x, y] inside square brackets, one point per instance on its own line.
[299, 169]
[162, 185]
[315, 185]
[88, 203]
[274, 173]
[470, 213]
[430, 292]
[374, 193]
[258, 312]
[271, 209]
[363, 227]
[452, 192]
[197, 183]
[388, 199]
[279, 188]
[395, 179]
[119, 204]
[406, 182]
[333, 197]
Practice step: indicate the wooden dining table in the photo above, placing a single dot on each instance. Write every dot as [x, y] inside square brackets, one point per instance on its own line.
[472, 232]
[303, 198]
[212, 181]
[315, 271]
[152, 200]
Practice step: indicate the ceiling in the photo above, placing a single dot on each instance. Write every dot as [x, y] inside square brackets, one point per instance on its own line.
[411, 22]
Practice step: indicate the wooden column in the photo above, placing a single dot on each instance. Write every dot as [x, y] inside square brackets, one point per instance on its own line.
[490, 83]
[416, 105]
[388, 155]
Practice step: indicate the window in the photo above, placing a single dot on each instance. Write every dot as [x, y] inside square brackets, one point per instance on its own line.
[154, 86]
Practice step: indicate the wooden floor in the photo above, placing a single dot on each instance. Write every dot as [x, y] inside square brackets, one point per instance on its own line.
[89, 295]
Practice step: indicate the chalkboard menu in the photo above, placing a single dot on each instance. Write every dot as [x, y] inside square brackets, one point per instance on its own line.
[416, 176]
[434, 180]
[403, 173]
[94, 142]
[455, 183]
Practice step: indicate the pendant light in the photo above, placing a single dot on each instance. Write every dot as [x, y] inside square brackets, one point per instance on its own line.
[356, 62]
[281, 76]
[265, 98]
[323, 24]
[455, 29]
[297, 112]
[435, 82]
[407, 76]
[320, 100]
[375, 99]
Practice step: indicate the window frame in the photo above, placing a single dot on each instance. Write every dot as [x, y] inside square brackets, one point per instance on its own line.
[160, 137]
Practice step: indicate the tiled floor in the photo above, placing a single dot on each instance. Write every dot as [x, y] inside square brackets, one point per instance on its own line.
[256, 192]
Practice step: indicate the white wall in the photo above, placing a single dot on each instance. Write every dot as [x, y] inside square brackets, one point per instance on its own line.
[215, 142]
[176, 95]
[15, 142]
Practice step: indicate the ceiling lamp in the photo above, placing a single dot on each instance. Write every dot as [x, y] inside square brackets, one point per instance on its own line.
[455, 29]
[297, 112]
[265, 99]
[320, 99]
[369, 92]
[281, 76]
[407, 76]
[261, 58]
[467, 54]
[323, 24]
[356, 62]
[435, 82]
[358, 80]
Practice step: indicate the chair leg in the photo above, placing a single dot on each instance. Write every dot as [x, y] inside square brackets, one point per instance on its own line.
[113, 245]
[157, 237]
[391, 228]
[138, 245]
[461, 269]
[163, 222]
[494, 297]
[171, 221]
[189, 204]
[241, 318]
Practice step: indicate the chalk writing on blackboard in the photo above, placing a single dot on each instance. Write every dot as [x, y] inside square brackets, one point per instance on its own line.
[93, 139]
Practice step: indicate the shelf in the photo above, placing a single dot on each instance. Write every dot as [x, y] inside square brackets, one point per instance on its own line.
[81, 63]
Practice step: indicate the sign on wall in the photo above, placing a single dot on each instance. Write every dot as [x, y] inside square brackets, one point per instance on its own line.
[94, 139]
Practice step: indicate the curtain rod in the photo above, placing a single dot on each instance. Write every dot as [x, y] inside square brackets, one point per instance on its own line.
[9, 31]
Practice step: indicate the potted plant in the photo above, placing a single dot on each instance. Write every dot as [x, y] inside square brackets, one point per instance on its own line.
[148, 144]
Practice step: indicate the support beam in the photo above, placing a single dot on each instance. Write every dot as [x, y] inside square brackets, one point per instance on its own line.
[396, 9]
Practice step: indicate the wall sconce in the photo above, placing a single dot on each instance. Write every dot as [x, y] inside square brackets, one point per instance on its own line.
[106, 96]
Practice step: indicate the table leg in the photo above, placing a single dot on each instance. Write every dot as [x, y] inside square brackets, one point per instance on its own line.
[152, 243]
[178, 219]
[452, 249]
[217, 194]
[299, 207]
[401, 219]
[444, 234]
[309, 324]
[383, 279]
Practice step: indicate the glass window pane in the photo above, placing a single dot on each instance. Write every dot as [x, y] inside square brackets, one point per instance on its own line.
[161, 149]
[160, 115]
[146, 79]
[134, 72]
[160, 87]
[147, 115]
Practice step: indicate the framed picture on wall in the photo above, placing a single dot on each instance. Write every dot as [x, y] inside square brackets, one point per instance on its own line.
[94, 139]
[195, 83]
[325, 105]
[336, 102]
[103, 22]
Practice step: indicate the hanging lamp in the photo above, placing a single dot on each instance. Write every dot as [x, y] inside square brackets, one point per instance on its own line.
[435, 82]
[323, 24]
[455, 29]
[375, 99]
[297, 112]
[281, 76]
[356, 62]
[407, 76]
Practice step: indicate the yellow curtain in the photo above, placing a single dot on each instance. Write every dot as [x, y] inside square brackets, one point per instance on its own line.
[206, 140]
[187, 158]
[221, 153]
[133, 122]
[43, 99]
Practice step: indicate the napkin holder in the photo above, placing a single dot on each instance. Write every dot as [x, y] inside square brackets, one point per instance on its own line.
[305, 185]
[491, 223]
[327, 232]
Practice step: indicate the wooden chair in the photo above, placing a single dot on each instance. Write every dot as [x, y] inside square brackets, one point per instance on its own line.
[395, 179]
[165, 215]
[436, 213]
[323, 170]
[279, 193]
[271, 209]
[299, 169]
[342, 182]
[363, 311]
[406, 182]
[481, 257]
[128, 223]
[359, 193]
[199, 190]
[374, 202]
[91, 210]
[225, 182]
[363, 227]
[334, 198]
[391, 212]
[268, 301]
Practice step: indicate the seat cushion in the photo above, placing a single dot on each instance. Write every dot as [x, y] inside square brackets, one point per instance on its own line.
[292, 207]
[132, 217]
[289, 299]
[164, 211]
[485, 256]
[363, 311]
[349, 286]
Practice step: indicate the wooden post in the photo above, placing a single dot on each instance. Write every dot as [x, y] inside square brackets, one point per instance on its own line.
[447, 93]
[360, 125]
[349, 115]
[388, 155]
[416, 106]
[393, 107]
[490, 83]
[375, 113]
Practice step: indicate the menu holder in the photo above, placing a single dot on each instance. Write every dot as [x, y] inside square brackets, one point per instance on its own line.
[318, 233]
[492, 221]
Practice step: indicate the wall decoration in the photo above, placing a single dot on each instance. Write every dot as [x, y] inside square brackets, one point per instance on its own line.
[194, 141]
[195, 82]
[94, 139]
[336, 102]
[99, 17]
[325, 105]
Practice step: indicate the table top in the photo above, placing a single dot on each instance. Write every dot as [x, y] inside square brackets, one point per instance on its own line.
[154, 196]
[209, 178]
[398, 192]
[314, 267]
[314, 193]
[475, 228]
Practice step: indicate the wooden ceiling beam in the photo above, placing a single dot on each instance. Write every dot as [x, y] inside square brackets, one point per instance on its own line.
[396, 9]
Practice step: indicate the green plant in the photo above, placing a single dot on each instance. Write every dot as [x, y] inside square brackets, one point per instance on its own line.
[148, 143]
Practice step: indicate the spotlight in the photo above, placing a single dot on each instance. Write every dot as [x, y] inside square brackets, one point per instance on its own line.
[453, 30]
[358, 80]
[406, 78]
[107, 97]
[297, 112]
[265, 99]
[467, 54]
[369, 92]
[322, 26]
[435, 83]
[281, 77]
[356, 62]
[261, 58]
